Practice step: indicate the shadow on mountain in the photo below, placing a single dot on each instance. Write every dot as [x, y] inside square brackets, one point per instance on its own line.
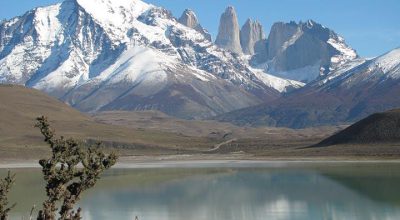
[379, 128]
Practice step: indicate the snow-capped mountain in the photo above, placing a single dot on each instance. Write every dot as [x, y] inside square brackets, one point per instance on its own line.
[303, 51]
[353, 91]
[363, 71]
[130, 55]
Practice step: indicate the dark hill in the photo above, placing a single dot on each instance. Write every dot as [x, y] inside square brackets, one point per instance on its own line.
[377, 128]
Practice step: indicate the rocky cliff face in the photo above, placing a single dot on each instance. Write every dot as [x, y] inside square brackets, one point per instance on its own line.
[303, 51]
[128, 55]
[189, 19]
[354, 90]
[251, 33]
[229, 32]
[106, 54]
[280, 33]
[300, 51]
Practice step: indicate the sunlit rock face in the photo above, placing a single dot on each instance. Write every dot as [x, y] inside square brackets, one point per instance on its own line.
[229, 31]
[303, 51]
[129, 55]
[251, 33]
[189, 19]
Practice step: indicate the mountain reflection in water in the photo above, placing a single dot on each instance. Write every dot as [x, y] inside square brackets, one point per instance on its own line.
[320, 192]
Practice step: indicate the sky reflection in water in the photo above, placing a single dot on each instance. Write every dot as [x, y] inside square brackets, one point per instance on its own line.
[244, 194]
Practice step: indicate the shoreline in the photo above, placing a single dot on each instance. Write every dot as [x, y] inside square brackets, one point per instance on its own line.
[209, 161]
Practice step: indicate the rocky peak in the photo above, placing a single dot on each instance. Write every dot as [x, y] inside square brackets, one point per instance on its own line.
[310, 23]
[280, 33]
[189, 19]
[316, 29]
[251, 33]
[303, 51]
[229, 32]
[151, 16]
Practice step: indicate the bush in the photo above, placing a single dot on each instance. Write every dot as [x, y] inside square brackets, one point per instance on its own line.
[72, 168]
[5, 187]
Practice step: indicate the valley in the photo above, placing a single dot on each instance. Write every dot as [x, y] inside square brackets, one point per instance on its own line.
[152, 134]
[130, 133]
[147, 83]
[201, 110]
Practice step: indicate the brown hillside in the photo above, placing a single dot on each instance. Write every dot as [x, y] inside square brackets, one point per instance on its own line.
[377, 128]
[19, 106]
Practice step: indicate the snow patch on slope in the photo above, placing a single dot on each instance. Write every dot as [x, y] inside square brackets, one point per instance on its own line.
[70, 73]
[362, 70]
[25, 56]
[202, 75]
[388, 62]
[342, 70]
[305, 74]
[292, 40]
[346, 53]
[139, 64]
[115, 16]
[11, 67]
[47, 24]
[280, 84]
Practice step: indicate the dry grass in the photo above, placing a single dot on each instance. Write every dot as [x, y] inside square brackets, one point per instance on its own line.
[154, 133]
[20, 106]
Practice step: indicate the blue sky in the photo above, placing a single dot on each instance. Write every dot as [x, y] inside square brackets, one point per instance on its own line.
[372, 27]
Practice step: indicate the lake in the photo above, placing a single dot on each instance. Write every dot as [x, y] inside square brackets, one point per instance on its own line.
[232, 191]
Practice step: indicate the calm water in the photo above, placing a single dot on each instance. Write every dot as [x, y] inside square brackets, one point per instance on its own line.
[231, 192]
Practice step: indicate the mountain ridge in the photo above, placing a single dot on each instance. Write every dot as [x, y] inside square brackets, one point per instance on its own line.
[303, 51]
[356, 90]
[104, 55]
[78, 49]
